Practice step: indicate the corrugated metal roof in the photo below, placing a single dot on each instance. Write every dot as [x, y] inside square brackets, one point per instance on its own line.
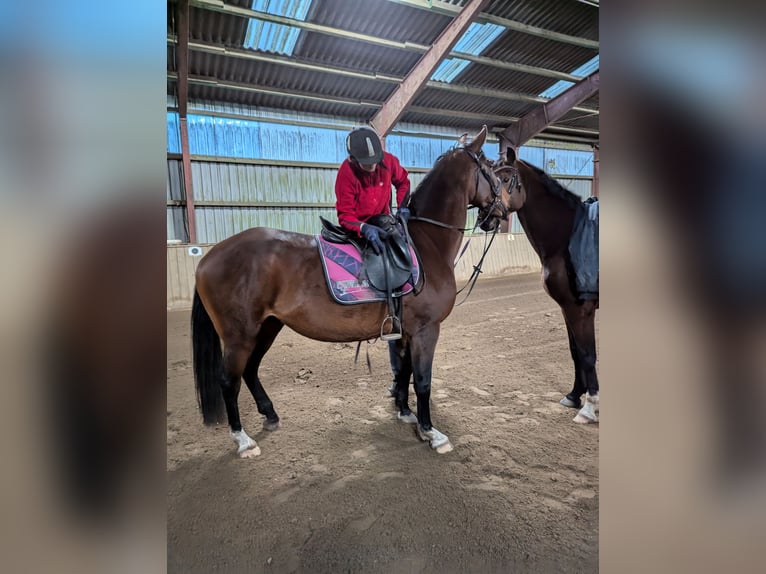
[562, 16]
[380, 18]
[584, 70]
[217, 27]
[392, 21]
[535, 51]
[341, 52]
[287, 78]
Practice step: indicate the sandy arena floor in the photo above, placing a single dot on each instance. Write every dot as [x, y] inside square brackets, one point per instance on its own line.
[344, 487]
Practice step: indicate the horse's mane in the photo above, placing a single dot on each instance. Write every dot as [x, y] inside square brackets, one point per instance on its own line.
[554, 187]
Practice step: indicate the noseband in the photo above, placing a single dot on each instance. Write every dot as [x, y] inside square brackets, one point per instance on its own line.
[515, 183]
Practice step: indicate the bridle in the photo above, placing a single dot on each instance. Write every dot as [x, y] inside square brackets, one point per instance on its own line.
[494, 185]
[515, 182]
[497, 189]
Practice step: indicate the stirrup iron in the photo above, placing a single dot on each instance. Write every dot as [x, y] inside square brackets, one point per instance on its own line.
[395, 333]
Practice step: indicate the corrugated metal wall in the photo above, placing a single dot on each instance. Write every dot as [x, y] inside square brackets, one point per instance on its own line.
[277, 169]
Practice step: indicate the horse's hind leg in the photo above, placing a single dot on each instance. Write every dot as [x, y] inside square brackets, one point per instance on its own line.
[266, 335]
[234, 361]
[573, 399]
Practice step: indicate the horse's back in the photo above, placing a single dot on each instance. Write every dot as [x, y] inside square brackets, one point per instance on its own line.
[259, 251]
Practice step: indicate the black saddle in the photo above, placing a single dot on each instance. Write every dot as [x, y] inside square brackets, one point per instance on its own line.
[392, 267]
[387, 271]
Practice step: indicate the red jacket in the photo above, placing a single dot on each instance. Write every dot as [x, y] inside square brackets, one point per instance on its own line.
[360, 195]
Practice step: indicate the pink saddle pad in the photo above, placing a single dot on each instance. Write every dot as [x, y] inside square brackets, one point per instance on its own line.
[348, 284]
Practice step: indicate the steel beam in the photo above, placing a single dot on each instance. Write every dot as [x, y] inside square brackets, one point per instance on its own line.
[583, 131]
[564, 138]
[182, 65]
[291, 62]
[253, 55]
[218, 6]
[446, 9]
[551, 111]
[409, 46]
[356, 103]
[432, 5]
[500, 95]
[212, 83]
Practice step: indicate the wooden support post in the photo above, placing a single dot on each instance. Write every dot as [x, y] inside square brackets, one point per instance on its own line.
[183, 98]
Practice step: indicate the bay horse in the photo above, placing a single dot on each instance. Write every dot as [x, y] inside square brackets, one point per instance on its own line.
[547, 212]
[252, 284]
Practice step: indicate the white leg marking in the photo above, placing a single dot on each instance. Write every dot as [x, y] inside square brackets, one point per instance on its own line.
[439, 441]
[587, 414]
[246, 447]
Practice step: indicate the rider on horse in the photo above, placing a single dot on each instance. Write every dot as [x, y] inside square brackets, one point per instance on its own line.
[363, 185]
[363, 190]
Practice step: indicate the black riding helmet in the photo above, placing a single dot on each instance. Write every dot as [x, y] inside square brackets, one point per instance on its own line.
[364, 145]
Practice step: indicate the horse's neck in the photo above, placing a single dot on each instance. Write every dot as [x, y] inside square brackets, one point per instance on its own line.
[547, 220]
[447, 205]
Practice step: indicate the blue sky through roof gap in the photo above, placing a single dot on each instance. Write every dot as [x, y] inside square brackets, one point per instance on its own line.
[271, 37]
[473, 41]
[585, 70]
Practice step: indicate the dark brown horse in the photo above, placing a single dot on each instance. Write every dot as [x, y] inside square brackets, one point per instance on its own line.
[252, 284]
[547, 211]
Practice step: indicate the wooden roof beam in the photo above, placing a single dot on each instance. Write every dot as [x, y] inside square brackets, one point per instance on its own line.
[418, 77]
[551, 111]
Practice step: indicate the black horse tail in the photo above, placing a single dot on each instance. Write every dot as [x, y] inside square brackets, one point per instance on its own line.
[208, 364]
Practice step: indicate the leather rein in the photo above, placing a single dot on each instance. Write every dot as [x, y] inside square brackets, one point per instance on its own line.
[497, 188]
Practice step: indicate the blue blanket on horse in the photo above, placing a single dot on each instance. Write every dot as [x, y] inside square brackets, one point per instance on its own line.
[583, 250]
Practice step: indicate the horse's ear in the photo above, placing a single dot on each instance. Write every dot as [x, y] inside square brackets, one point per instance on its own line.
[510, 155]
[463, 140]
[479, 140]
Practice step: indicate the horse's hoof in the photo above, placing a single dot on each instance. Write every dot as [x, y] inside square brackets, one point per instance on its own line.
[569, 403]
[408, 418]
[445, 448]
[436, 439]
[583, 419]
[250, 452]
[270, 425]
[246, 447]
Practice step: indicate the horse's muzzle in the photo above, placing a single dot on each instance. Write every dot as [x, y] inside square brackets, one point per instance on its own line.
[490, 224]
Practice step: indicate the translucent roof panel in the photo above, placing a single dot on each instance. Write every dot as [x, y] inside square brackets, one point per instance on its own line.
[473, 41]
[271, 37]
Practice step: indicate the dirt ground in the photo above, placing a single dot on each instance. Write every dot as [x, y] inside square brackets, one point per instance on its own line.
[343, 486]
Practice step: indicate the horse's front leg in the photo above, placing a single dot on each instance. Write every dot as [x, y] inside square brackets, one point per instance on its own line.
[582, 321]
[422, 347]
[401, 365]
